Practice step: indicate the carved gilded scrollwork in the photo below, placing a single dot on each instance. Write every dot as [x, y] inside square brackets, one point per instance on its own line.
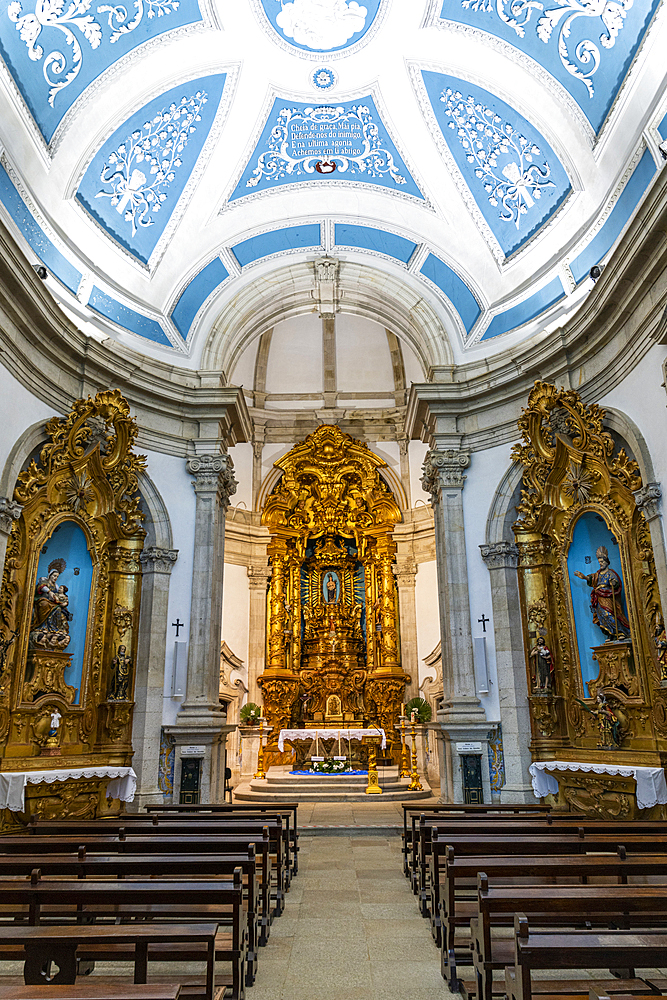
[592, 796]
[71, 591]
[332, 621]
[572, 476]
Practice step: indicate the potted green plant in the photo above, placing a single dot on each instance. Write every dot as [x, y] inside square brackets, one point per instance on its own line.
[421, 707]
[250, 714]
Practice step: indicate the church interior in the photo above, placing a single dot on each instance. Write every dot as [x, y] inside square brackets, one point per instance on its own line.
[333, 367]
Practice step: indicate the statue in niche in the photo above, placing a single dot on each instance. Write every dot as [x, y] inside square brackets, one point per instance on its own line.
[606, 598]
[610, 725]
[331, 588]
[660, 640]
[49, 627]
[543, 667]
[122, 669]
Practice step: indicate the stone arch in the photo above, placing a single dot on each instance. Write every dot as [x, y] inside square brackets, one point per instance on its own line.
[27, 442]
[622, 426]
[502, 510]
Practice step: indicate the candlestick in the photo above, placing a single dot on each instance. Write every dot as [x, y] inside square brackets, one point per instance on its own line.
[415, 784]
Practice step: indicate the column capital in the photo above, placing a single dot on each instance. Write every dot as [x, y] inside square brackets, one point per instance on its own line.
[405, 571]
[10, 511]
[156, 560]
[648, 500]
[444, 470]
[500, 555]
[258, 576]
[213, 474]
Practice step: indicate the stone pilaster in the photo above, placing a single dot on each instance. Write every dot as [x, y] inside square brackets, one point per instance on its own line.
[647, 499]
[10, 511]
[258, 578]
[201, 720]
[156, 564]
[463, 718]
[406, 574]
[501, 559]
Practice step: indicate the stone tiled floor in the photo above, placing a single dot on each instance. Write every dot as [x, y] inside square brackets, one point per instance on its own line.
[373, 813]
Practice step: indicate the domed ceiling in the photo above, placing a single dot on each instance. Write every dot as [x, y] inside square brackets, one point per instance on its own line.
[160, 156]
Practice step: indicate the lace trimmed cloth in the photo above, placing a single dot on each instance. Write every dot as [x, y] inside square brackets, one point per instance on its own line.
[287, 735]
[122, 785]
[651, 785]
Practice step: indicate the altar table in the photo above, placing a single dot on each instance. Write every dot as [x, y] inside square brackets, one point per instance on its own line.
[122, 786]
[287, 735]
[651, 785]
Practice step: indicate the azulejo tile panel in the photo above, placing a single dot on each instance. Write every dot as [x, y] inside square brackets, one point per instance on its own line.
[345, 142]
[54, 49]
[514, 176]
[136, 178]
[319, 25]
[587, 47]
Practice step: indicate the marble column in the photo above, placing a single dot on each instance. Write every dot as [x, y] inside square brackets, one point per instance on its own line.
[462, 718]
[258, 578]
[406, 574]
[9, 512]
[648, 500]
[501, 559]
[201, 721]
[156, 564]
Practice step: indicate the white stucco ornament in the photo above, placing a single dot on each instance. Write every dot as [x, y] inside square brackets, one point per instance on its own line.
[322, 24]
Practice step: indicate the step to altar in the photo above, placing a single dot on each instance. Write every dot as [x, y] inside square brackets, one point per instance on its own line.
[280, 785]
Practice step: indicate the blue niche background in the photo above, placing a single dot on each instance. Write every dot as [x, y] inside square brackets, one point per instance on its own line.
[68, 542]
[90, 38]
[346, 142]
[513, 173]
[133, 183]
[551, 33]
[302, 24]
[590, 531]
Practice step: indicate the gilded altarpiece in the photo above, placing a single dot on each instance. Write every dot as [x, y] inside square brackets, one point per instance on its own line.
[333, 644]
[69, 608]
[593, 626]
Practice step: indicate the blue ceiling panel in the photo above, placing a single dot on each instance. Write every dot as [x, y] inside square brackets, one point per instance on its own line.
[128, 318]
[512, 172]
[133, 183]
[454, 288]
[195, 294]
[306, 142]
[587, 47]
[311, 27]
[55, 50]
[526, 310]
[377, 240]
[277, 241]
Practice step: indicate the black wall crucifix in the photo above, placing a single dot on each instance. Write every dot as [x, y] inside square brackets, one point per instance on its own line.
[482, 621]
[178, 625]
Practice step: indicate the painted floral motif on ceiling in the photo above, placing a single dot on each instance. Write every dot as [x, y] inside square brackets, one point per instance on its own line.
[54, 49]
[133, 184]
[587, 45]
[514, 176]
[347, 142]
[320, 25]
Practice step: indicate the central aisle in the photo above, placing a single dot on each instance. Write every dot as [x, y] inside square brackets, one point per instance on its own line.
[351, 929]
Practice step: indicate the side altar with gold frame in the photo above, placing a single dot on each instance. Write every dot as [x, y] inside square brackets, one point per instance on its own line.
[69, 609]
[333, 647]
[592, 619]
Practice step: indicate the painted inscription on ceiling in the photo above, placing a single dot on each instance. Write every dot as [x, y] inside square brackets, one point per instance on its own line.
[588, 47]
[320, 25]
[347, 142]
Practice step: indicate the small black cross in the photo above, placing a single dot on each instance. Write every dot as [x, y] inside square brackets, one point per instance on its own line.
[178, 625]
[482, 621]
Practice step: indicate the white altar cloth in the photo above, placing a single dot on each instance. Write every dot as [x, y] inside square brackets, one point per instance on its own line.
[122, 786]
[651, 784]
[287, 735]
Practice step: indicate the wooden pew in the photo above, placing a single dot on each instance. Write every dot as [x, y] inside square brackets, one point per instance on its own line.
[173, 866]
[94, 989]
[287, 809]
[63, 902]
[39, 946]
[636, 906]
[556, 950]
[456, 912]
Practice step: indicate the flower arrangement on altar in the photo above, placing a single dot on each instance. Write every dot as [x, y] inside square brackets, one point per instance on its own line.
[330, 765]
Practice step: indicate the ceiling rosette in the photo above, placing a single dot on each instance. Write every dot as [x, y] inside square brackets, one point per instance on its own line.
[312, 27]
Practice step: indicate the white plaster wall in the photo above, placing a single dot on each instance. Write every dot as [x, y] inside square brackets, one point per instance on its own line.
[416, 455]
[483, 476]
[175, 486]
[241, 455]
[19, 410]
[236, 611]
[363, 361]
[243, 372]
[389, 452]
[270, 454]
[295, 356]
[428, 619]
[643, 398]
